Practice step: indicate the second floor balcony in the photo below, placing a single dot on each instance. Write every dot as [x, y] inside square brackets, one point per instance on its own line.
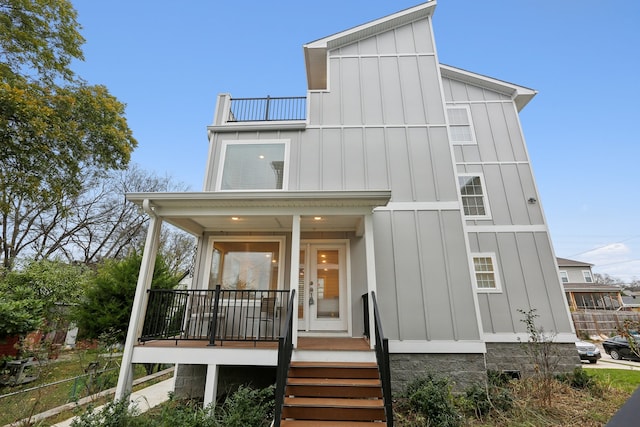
[246, 112]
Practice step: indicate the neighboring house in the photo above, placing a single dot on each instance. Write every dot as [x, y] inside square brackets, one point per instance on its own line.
[395, 175]
[581, 290]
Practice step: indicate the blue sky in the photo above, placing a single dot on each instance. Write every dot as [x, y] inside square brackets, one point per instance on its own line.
[168, 64]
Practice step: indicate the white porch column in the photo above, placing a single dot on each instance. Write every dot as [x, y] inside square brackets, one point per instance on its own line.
[371, 272]
[295, 272]
[125, 379]
[211, 385]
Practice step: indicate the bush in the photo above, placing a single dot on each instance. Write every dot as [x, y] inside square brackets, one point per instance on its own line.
[431, 399]
[247, 407]
[581, 380]
[116, 413]
[479, 401]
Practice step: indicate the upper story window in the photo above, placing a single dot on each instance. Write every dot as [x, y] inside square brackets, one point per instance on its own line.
[253, 165]
[564, 276]
[587, 276]
[484, 266]
[474, 201]
[460, 126]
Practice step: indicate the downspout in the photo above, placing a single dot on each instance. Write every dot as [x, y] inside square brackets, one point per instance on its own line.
[125, 379]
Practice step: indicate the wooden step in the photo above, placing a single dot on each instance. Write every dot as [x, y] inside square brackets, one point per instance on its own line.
[350, 370]
[337, 409]
[334, 387]
[320, 423]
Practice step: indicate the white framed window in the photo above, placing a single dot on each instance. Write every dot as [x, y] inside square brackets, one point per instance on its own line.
[587, 276]
[564, 276]
[247, 262]
[486, 274]
[460, 126]
[253, 165]
[473, 195]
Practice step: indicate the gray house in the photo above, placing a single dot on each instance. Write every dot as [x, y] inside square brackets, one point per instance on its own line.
[396, 199]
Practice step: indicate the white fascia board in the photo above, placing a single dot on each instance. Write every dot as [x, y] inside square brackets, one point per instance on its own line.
[521, 95]
[217, 355]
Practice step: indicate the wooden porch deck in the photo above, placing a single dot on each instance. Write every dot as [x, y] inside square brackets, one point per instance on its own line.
[304, 343]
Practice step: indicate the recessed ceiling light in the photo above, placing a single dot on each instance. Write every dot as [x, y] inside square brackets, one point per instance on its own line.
[235, 218]
[261, 156]
[317, 218]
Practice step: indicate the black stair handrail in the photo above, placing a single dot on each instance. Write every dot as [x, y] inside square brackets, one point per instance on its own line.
[285, 349]
[382, 357]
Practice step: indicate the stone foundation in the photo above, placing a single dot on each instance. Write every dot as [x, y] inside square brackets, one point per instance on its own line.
[190, 381]
[463, 370]
[563, 358]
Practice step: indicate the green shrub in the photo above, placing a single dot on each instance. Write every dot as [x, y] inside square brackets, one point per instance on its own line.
[479, 401]
[247, 407]
[431, 399]
[116, 413]
[581, 380]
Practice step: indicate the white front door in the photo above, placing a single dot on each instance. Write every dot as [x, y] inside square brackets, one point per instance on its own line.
[322, 287]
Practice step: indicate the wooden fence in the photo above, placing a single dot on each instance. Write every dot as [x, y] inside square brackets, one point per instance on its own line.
[601, 322]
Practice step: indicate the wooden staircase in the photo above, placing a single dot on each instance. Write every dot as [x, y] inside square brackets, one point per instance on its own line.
[338, 394]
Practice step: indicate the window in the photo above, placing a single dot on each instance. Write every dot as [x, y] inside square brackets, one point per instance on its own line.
[246, 265]
[486, 275]
[473, 198]
[460, 128]
[587, 276]
[253, 165]
[564, 276]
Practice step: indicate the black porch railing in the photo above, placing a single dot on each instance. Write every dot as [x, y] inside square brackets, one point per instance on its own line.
[268, 109]
[215, 315]
[382, 355]
[285, 348]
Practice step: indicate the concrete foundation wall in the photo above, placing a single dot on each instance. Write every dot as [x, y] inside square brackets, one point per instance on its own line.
[562, 357]
[190, 381]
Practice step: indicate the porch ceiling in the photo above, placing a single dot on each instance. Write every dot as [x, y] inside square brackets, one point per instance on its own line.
[263, 211]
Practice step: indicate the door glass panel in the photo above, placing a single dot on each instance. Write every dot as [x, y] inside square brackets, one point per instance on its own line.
[328, 286]
[301, 293]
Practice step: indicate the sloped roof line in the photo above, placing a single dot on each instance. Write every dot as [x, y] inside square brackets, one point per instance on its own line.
[565, 262]
[376, 26]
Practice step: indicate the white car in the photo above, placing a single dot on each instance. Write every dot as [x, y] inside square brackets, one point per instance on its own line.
[588, 351]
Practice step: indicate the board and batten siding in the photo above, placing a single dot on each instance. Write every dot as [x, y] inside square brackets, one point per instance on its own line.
[516, 230]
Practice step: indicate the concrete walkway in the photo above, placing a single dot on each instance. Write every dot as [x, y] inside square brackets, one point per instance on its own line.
[144, 399]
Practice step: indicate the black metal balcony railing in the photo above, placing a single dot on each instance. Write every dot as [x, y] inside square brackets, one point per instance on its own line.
[234, 315]
[268, 109]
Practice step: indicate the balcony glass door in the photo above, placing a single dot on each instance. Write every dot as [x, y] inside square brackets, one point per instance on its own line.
[322, 287]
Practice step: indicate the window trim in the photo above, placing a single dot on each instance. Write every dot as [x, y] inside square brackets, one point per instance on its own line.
[223, 154]
[564, 275]
[472, 130]
[250, 239]
[496, 276]
[485, 199]
[588, 277]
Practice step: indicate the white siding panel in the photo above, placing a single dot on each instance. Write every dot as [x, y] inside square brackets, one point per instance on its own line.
[315, 108]
[411, 91]
[534, 209]
[516, 196]
[447, 188]
[350, 86]
[458, 91]
[515, 133]
[405, 40]
[351, 49]
[371, 95]
[422, 164]
[331, 100]
[368, 46]
[497, 197]
[386, 43]
[354, 168]
[422, 36]
[391, 91]
[429, 77]
[385, 273]
[399, 165]
[408, 281]
[309, 172]
[332, 160]
[376, 159]
[501, 136]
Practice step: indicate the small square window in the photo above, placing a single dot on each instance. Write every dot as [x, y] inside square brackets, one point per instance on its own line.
[587, 276]
[473, 198]
[460, 128]
[485, 272]
[564, 276]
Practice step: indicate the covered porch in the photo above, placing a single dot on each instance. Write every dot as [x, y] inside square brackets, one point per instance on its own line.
[318, 244]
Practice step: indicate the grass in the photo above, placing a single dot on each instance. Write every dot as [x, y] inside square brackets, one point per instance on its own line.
[70, 364]
[624, 379]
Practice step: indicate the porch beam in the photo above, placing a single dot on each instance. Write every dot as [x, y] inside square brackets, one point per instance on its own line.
[294, 277]
[125, 379]
[370, 257]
